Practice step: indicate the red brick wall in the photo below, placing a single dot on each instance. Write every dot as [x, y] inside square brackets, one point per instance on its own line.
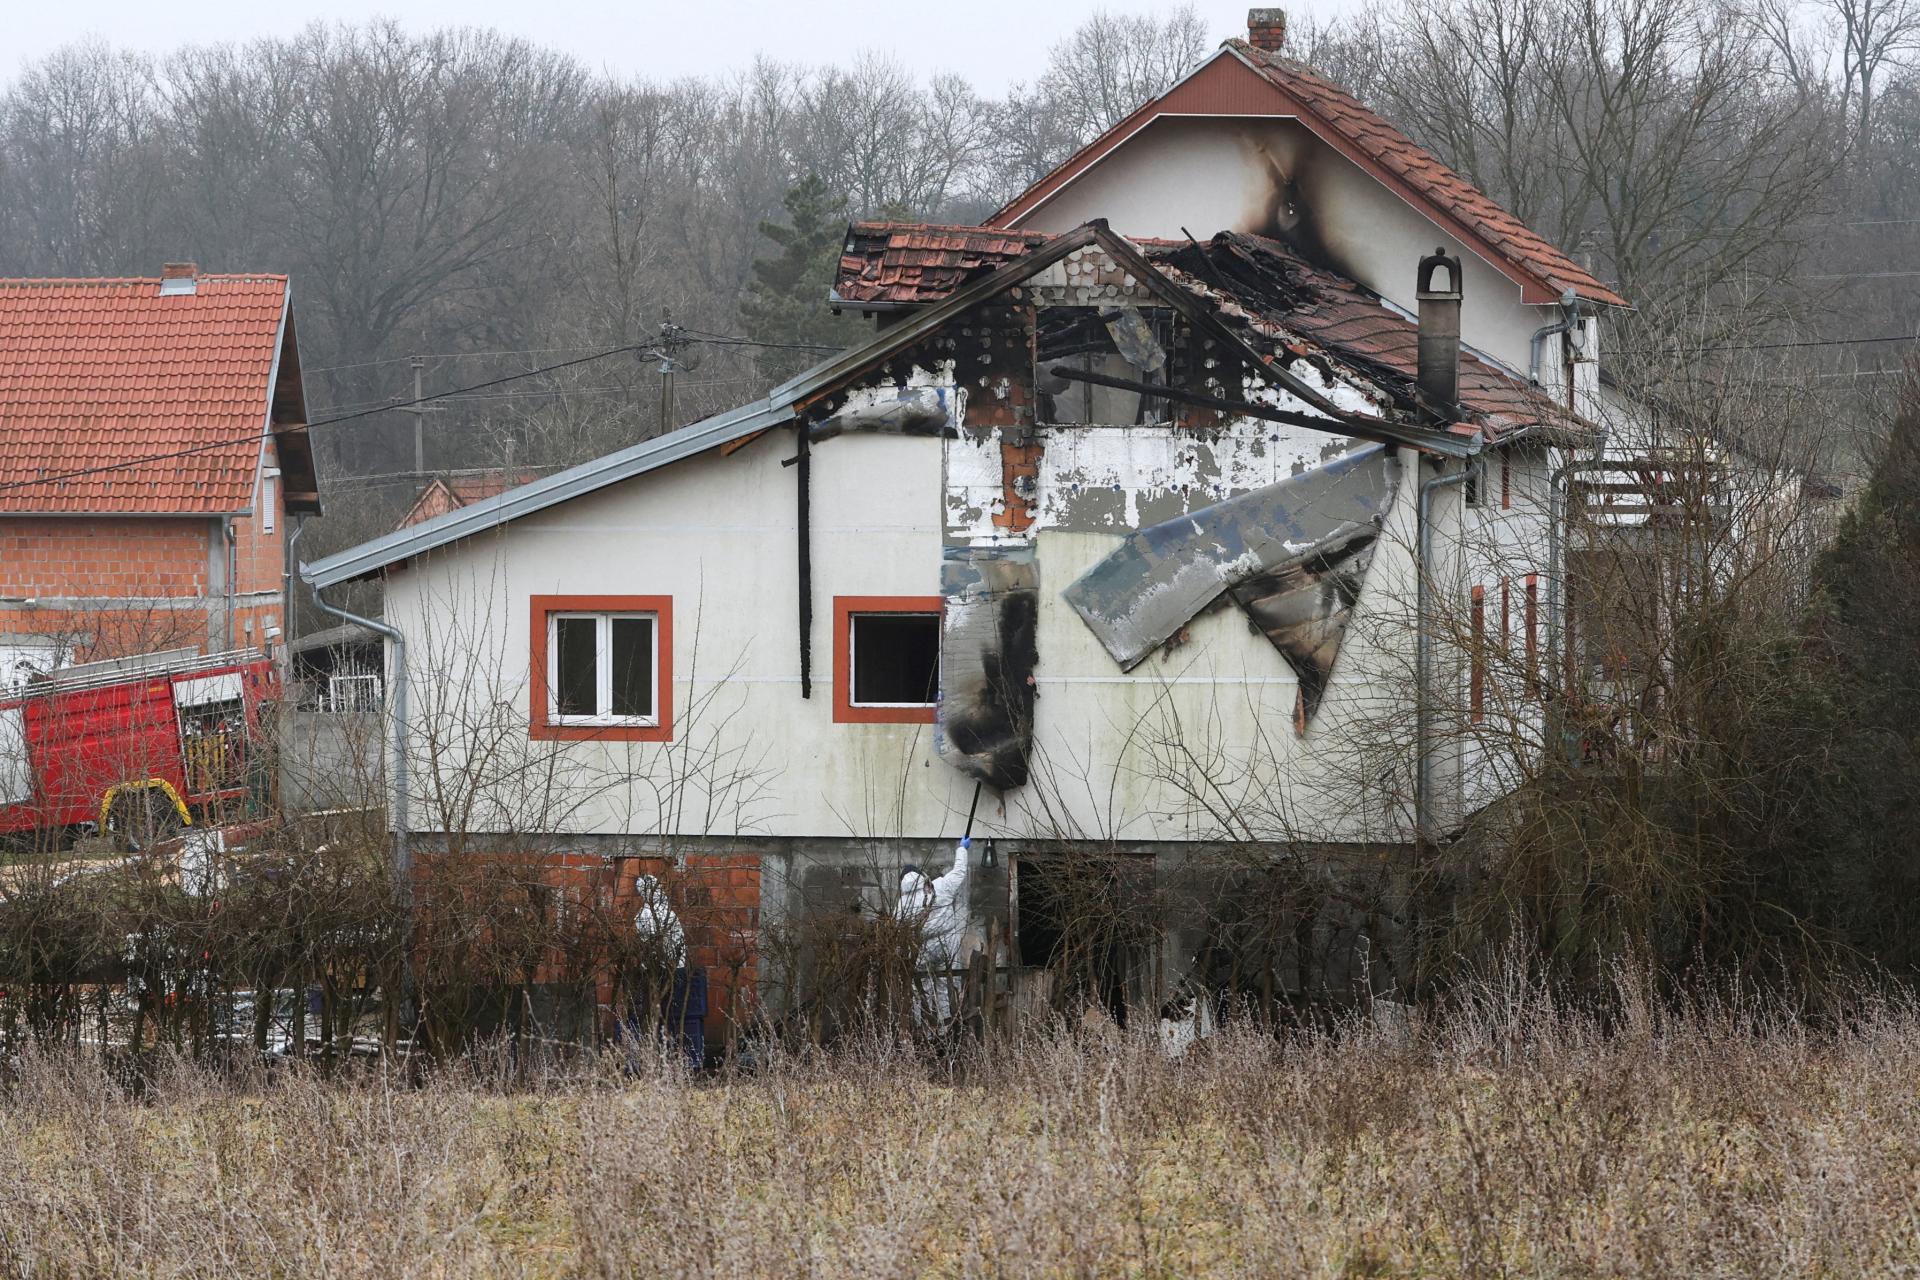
[45, 558]
[105, 558]
[716, 897]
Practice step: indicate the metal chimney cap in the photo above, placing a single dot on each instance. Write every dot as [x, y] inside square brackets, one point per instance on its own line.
[1447, 288]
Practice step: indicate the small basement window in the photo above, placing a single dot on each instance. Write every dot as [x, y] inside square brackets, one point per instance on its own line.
[886, 659]
[602, 672]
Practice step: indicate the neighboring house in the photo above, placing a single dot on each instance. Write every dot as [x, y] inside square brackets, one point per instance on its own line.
[446, 493]
[153, 441]
[1112, 538]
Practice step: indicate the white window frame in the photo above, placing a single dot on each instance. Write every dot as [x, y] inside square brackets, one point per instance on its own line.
[602, 671]
[853, 655]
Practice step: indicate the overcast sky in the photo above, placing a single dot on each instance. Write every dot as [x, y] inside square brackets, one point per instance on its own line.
[991, 42]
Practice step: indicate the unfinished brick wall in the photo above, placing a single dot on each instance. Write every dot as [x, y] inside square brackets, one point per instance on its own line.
[117, 585]
[716, 897]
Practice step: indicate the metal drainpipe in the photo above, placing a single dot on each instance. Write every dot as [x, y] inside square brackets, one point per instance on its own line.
[397, 762]
[1423, 645]
[1569, 317]
[233, 564]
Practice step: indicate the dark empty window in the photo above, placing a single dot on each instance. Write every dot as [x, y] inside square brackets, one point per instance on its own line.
[602, 668]
[896, 659]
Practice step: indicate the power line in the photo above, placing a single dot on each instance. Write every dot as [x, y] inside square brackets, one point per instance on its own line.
[1765, 346]
[448, 355]
[326, 422]
[729, 340]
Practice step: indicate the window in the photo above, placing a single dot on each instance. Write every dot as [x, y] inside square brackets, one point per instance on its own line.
[1472, 486]
[1506, 482]
[602, 667]
[886, 659]
[269, 499]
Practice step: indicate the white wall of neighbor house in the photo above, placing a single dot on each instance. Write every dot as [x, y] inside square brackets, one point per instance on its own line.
[750, 756]
[1210, 174]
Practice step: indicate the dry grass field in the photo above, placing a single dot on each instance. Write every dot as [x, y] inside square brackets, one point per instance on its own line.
[1489, 1141]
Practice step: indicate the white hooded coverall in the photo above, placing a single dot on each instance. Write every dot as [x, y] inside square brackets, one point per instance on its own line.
[940, 908]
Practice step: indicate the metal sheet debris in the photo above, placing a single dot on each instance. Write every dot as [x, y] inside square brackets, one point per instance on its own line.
[1294, 555]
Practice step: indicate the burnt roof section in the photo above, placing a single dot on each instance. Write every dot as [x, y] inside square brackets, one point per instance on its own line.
[1265, 289]
[1291, 304]
[899, 263]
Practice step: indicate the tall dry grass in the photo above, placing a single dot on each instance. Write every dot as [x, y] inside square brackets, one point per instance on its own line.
[1502, 1136]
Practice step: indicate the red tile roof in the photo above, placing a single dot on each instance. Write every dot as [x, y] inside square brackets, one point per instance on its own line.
[1371, 134]
[898, 262]
[94, 372]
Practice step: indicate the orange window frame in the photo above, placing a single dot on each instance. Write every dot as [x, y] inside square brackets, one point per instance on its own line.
[844, 607]
[540, 610]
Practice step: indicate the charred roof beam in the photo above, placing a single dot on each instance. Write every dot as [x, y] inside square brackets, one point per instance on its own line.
[1363, 426]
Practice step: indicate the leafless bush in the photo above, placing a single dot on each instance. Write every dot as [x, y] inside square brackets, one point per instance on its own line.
[1504, 1133]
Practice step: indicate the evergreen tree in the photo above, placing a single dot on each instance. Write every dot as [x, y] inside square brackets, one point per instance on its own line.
[786, 301]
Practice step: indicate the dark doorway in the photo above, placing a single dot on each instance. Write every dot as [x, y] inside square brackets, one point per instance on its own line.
[1088, 919]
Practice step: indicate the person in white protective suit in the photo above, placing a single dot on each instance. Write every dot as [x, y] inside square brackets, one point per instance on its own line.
[656, 920]
[939, 907]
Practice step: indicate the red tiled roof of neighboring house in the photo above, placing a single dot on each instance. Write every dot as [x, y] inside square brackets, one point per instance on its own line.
[99, 372]
[897, 262]
[449, 493]
[1421, 169]
[1243, 81]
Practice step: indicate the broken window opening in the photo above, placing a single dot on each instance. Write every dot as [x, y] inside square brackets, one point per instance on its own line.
[602, 669]
[1118, 341]
[1090, 920]
[895, 659]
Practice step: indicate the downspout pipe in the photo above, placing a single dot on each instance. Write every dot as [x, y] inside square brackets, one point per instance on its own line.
[397, 761]
[1569, 317]
[1423, 651]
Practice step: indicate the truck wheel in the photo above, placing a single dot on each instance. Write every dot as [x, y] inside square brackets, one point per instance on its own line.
[142, 819]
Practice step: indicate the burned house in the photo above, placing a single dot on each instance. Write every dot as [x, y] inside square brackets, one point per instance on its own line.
[1183, 552]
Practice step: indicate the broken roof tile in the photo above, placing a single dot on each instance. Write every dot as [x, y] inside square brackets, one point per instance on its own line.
[893, 262]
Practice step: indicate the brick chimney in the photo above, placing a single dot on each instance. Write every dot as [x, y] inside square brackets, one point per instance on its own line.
[1267, 29]
[178, 278]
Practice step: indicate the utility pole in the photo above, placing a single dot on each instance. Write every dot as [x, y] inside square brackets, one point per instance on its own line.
[419, 412]
[673, 340]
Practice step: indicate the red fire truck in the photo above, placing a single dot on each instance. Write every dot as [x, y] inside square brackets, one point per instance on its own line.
[138, 747]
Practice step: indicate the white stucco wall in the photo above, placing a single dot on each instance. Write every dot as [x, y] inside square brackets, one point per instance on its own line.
[1189, 744]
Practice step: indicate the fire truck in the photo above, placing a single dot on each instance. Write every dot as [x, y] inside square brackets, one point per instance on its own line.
[135, 747]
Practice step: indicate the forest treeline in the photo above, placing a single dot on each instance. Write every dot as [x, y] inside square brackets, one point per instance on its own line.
[1746, 171]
